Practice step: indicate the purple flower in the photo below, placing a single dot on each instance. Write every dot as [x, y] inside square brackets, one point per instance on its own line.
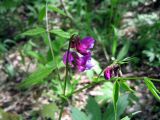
[108, 72]
[70, 58]
[83, 46]
[80, 60]
[79, 63]
[83, 63]
[111, 71]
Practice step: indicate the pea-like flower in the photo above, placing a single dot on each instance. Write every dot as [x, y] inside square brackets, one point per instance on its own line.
[112, 71]
[79, 63]
[81, 58]
[83, 46]
[108, 72]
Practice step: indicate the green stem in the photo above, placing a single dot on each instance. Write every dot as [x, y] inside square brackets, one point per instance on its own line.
[119, 78]
[67, 68]
[50, 43]
[87, 86]
[140, 78]
[66, 77]
[61, 111]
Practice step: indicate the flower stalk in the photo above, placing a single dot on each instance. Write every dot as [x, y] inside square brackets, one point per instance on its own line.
[66, 77]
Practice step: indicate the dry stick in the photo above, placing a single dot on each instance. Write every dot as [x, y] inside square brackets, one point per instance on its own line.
[50, 44]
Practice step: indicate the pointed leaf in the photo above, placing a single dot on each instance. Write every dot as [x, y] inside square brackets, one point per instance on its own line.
[48, 111]
[121, 106]
[123, 52]
[36, 77]
[77, 114]
[60, 33]
[93, 109]
[115, 95]
[115, 41]
[152, 88]
[35, 31]
[125, 86]
[55, 9]
[126, 118]
[42, 14]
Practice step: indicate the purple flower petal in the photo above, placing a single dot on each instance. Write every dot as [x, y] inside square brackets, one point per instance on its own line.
[70, 58]
[84, 46]
[89, 64]
[88, 42]
[108, 73]
[83, 63]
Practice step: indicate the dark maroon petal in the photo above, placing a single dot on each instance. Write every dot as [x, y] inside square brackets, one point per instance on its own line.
[75, 40]
[70, 58]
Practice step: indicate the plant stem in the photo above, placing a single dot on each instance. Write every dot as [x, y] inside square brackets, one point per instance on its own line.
[67, 68]
[66, 77]
[61, 111]
[66, 11]
[88, 86]
[50, 43]
[135, 78]
[119, 78]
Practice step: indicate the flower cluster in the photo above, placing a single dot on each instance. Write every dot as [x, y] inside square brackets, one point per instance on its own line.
[81, 58]
[111, 71]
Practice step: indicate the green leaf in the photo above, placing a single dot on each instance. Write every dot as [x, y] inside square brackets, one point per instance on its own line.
[48, 111]
[77, 114]
[94, 112]
[55, 9]
[37, 56]
[45, 38]
[121, 106]
[2, 48]
[35, 31]
[152, 88]
[8, 116]
[123, 52]
[115, 95]
[107, 91]
[125, 86]
[126, 118]
[115, 41]
[36, 77]
[152, 85]
[42, 14]
[61, 33]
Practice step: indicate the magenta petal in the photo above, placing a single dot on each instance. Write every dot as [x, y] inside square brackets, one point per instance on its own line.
[88, 42]
[83, 63]
[85, 45]
[70, 58]
[81, 68]
[108, 73]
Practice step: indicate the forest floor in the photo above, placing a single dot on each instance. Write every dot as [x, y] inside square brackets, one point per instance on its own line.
[24, 103]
